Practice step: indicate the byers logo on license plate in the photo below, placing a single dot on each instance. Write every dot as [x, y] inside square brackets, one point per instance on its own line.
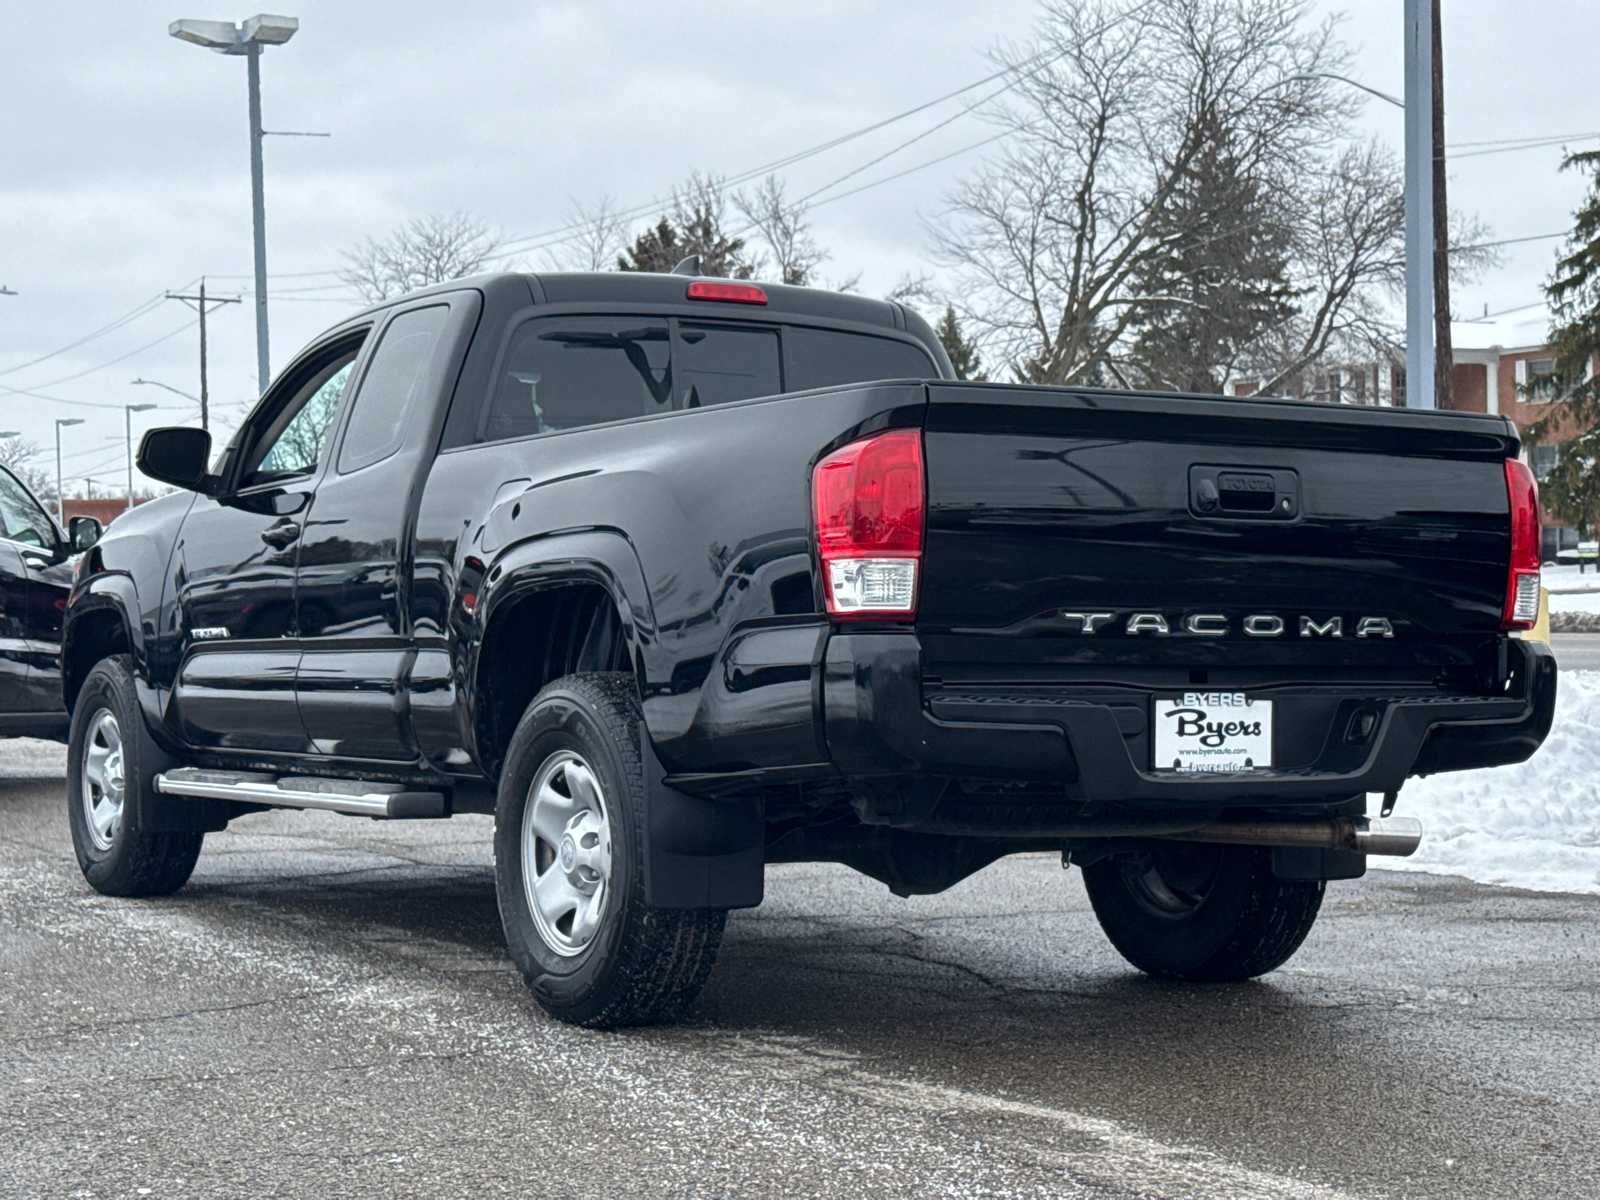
[1213, 731]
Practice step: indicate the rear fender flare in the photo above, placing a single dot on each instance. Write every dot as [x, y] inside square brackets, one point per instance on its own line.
[602, 557]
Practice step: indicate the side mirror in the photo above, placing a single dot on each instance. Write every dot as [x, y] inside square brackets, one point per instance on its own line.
[177, 455]
[83, 532]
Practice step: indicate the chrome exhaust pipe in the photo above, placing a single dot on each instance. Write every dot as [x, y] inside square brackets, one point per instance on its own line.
[1393, 836]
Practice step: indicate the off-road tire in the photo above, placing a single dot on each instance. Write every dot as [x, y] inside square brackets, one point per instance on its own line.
[136, 863]
[1210, 913]
[643, 965]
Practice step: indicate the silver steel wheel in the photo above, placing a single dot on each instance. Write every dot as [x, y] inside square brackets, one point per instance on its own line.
[104, 784]
[566, 853]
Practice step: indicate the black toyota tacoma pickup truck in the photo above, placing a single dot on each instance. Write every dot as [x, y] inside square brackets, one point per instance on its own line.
[679, 577]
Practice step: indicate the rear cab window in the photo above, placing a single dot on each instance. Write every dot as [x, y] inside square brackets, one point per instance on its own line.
[819, 358]
[567, 372]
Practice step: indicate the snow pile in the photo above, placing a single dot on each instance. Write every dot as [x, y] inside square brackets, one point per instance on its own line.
[1581, 602]
[1572, 590]
[1535, 825]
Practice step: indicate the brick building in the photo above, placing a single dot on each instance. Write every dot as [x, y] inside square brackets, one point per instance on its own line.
[105, 511]
[1499, 362]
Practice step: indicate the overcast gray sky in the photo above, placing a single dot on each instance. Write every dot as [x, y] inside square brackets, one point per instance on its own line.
[124, 166]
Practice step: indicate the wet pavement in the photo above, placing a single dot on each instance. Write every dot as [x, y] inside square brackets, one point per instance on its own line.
[326, 1010]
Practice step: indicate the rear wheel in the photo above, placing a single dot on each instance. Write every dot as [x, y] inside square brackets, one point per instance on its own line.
[1199, 911]
[111, 767]
[569, 865]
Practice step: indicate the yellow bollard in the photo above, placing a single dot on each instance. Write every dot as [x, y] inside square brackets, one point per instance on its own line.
[1541, 631]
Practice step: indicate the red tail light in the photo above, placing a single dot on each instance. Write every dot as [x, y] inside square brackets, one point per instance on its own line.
[871, 503]
[735, 293]
[1522, 577]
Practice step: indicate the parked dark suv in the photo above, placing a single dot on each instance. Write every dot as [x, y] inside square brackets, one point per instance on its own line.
[35, 580]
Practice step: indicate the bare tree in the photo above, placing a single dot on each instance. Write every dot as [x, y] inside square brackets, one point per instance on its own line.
[783, 229]
[17, 455]
[600, 235]
[426, 250]
[1111, 105]
[1349, 258]
[1349, 264]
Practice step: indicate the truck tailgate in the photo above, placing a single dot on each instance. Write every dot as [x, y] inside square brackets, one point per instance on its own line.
[1073, 532]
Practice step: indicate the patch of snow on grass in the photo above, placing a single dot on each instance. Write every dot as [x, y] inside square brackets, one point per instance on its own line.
[1586, 602]
[1535, 825]
[1582, 589]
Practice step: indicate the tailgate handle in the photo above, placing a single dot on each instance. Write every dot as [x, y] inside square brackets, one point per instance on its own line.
[1244, 493]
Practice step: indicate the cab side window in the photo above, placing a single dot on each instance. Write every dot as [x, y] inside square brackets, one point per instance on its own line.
[23, 520]
[391, 386]
[293, 441]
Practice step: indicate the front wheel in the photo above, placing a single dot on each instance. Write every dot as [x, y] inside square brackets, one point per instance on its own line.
[569, 865]
[1200, 911]
[111, 767]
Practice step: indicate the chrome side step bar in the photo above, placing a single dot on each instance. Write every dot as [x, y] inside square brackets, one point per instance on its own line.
[1394, 836]
[357, 797]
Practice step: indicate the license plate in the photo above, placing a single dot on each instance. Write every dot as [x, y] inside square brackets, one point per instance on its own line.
[1212, 731]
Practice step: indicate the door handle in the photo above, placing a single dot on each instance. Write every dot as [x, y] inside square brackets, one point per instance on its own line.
[281, 534]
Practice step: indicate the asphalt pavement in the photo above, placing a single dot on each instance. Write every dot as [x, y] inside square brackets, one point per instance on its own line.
[326, 1010]
[1576, 651]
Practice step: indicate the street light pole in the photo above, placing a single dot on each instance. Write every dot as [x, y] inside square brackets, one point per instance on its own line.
[1419, 204]
[168, 387]
[61, 500]
[258, 215]
[127, 413]
[246, 40]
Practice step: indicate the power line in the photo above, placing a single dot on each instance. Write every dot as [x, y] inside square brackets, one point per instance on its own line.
[14, 391]
[112, 362]
[526, 243]
[913, 170]
[1537, 237]
[134, 314]
[1528, 145]
[550, 237]
[1519, 141]
[1504, 312]
[908, 142]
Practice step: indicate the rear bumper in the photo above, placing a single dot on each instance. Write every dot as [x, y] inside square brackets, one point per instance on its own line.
[878, 721]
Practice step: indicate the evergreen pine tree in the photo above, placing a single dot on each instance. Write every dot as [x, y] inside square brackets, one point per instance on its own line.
[963, 354]
[1571, 490]
[655, 249]
[692, 226]
[1220, 277]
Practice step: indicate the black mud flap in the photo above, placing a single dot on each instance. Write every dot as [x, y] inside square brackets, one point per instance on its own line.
[701, 853]
[187, 814]
[1294, 864]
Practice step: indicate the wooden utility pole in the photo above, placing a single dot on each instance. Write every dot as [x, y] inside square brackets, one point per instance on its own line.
[199, 304]
[1443, 358]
